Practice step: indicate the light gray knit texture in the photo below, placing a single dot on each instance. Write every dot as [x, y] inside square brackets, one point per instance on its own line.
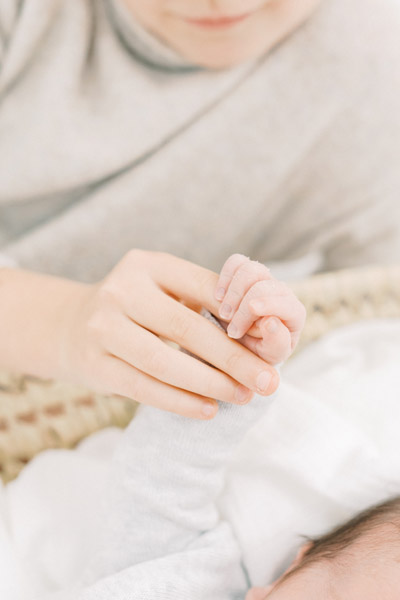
[108, 141]
[163, 536]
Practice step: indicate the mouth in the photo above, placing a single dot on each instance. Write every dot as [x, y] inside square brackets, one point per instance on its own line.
[222, 22]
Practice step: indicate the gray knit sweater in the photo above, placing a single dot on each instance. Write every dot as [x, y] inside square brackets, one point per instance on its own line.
[164, 537]
[110, 141]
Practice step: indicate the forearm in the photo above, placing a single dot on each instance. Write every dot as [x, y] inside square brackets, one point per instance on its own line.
[34, 313]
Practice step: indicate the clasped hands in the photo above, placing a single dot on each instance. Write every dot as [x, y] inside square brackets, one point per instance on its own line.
[114, 335]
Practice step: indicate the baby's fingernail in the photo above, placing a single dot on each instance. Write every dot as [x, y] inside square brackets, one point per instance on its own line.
[208, 409]
[225, 311]
[220, 293]
[263, 381]
[233, 331]
[272, 325]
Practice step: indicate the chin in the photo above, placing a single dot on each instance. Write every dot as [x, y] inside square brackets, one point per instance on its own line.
[222, 58]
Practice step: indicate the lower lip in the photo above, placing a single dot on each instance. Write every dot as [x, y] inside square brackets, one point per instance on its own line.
[222, 23]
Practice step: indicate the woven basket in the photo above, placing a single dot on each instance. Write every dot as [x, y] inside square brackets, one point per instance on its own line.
[36, 414]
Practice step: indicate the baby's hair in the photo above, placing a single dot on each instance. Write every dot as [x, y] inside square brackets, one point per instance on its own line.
[331, 545]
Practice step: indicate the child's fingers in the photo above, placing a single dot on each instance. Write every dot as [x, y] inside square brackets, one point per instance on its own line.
[276, 344]
[245, 316]
[269, 298]
[245, 276]
[230, 267]
[286, 307]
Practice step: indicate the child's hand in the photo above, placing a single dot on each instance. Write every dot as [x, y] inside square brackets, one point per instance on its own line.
[263, 313]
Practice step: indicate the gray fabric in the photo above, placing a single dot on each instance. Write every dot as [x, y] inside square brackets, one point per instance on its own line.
[294, 154]
[164, 538]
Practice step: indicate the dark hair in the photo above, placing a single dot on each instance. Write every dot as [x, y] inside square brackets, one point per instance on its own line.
[331, 545]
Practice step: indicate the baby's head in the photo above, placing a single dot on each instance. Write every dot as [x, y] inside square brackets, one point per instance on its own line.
[360, 559]
[221, 33]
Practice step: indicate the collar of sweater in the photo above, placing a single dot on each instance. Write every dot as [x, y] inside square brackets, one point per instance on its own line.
[145, 46]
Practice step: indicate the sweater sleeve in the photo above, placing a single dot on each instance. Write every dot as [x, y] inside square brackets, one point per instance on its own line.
[163, 536]
[169, 471]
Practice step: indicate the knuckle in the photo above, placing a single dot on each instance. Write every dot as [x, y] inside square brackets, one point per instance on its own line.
[235, 260]
[241, 314]
[246, 267]
[134, 261]
[205, 280]
[180, 326]
[95, 326]
[233, 294]
[131, 386]
[237, 257]
[233, 361]
[135, 255]
[245, 275]
[109, 293]
[257, 270]
[261, 287]
[133, 389]
[155, 363]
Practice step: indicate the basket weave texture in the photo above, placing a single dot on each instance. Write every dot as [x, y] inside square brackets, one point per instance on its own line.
[36, 414]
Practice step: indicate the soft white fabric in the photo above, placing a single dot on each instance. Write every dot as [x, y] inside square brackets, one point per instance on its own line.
[327, 447]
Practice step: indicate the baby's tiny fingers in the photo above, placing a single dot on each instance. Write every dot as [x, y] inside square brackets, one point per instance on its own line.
[287, 308]
[245, 315]
[245, 277]
[230, 267]
[275, 345]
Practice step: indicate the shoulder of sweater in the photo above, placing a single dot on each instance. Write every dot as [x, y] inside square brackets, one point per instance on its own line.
[349, 48]
[363, 31]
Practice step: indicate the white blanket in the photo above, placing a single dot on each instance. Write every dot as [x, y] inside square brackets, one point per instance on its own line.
[328, 447]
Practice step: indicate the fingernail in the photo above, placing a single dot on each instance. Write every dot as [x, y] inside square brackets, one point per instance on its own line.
[208, 409]
[233, 331]
[272, 325]
[225, 311]
[242, 394]
[220, 293]
[263, 381]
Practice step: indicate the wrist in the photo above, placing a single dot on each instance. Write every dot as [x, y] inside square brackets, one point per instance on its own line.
[68, 330]
[34, 312]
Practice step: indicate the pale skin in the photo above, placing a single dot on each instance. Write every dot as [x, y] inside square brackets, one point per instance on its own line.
[321, 583]
[360, 573]
[109, 338]
[115, 335]
[223, 45]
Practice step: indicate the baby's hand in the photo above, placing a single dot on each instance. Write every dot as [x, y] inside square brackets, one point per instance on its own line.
[263, 313]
